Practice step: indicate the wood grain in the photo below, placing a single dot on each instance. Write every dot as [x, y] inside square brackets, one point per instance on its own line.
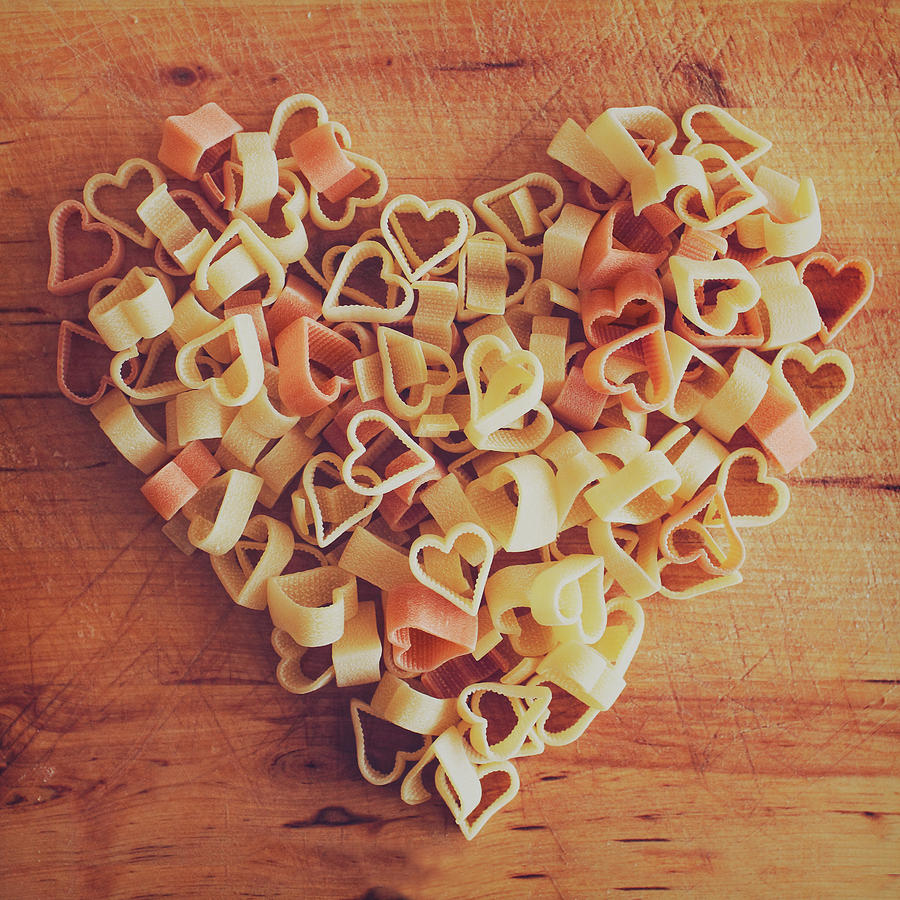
[146, 749]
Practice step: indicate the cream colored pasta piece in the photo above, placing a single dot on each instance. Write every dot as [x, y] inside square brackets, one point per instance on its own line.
[137, 307]
[312, 606]
[172, 225]
[531, 521]
[220, 511]
[694, 456]
[375, 560]
[246, 584]
[279, 465]
[739, 395]
[191, 321]
[131, 435]
[485, 206]
[427, 552]
[120, 180]
[356, 654]
[791, 223]
[529, 704]
[259, 179]
[218, 277]
[409, 203]
[242, 380]
[788, 310]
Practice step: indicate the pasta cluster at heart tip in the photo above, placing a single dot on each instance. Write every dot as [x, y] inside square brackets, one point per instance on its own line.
[451, 459]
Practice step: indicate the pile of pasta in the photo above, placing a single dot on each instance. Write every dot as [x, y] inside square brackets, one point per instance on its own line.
[450, 449]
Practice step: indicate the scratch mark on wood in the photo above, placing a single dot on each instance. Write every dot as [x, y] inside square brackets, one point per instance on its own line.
[483, 66]
[331, 817]
[642, 840]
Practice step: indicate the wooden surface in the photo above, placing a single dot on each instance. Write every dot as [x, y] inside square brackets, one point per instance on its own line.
[146, 749]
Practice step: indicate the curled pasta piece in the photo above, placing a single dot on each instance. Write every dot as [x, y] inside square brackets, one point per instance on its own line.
[242, 380]
[791, 223]
[525, 704]
[424, 629]
[488, 207]
[312, 606]
[528, 522]
[244, 582]
[219, 512]
[193, 144]
[131, 435]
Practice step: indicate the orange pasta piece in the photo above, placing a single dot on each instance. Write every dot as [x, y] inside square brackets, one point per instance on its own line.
[424, 629]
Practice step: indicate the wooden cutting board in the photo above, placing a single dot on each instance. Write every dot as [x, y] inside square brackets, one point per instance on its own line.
[146, 749]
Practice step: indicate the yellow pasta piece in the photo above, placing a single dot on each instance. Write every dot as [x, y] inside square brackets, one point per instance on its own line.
[530, 521]
[400, 703]
[812, 362]
[191, 320]
[408, 363]
[522, 201]
[409, 203]
[137, 307]
[448, 505]
[736, 132]
[220, 510]
[131, 435]
[724, 211]
[196, 416]
[215, 280]
[791, 223]
[484, 206]
[640, 490]
[612, 133]
[368, 309]
[576, 468]
[529, 705]
[258, 422]
[338, 505]
[573, 148]
[568, 596]
[259, 178]
[172, 225]
[424, 463]
[246, 584]
[280, 464]
[694, 456]
[243, 379]
[289, 672]
[375, 560]
[450, 751]
[691, 392]
[689, 276]
[356, 654]
[435, 311]
[638, 577]
[592, 674]
[788, 310]
[514, 382]
[564, 245]
[733, 404]
[486, 275]
[312, 606]
[291, 246]
[692, 581]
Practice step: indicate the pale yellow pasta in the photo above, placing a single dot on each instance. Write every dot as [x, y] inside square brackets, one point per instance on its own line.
[312, 606]
[246, 584]
[220, 510]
